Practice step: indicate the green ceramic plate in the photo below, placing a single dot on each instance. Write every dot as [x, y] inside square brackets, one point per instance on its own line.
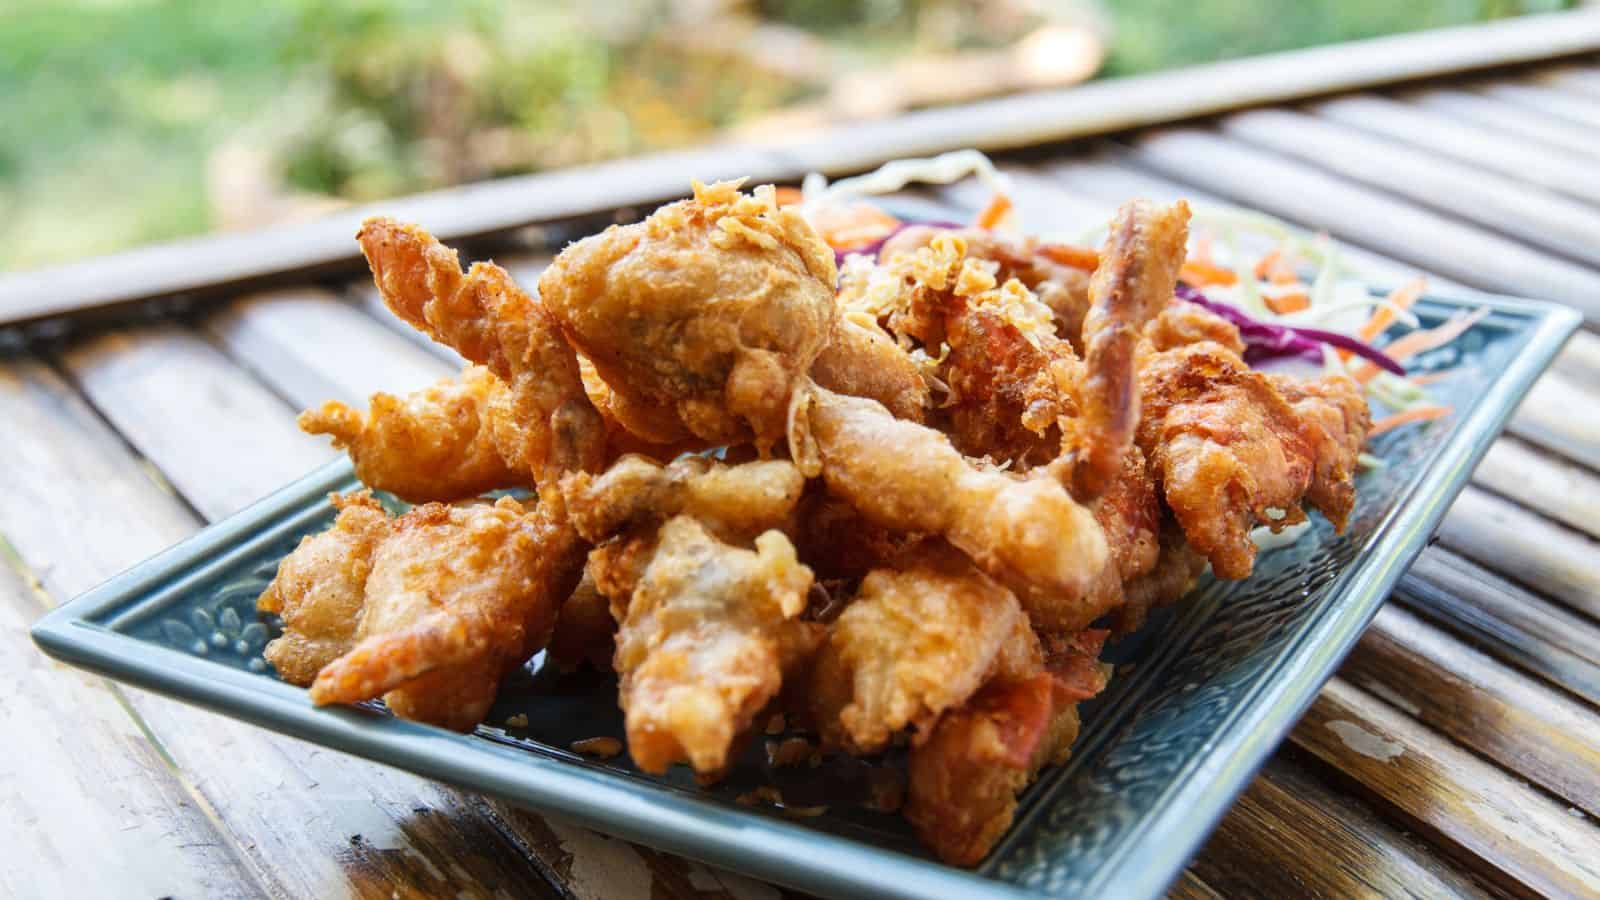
[1162, 754]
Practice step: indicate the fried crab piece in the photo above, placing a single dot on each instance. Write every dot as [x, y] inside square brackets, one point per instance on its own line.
[1134, 282]
[1057, 274]
[964, 781]
[733, 500]
[434, 444]
[916, 640]
[710, 631]
[1190, 323]
[701, 318]
[457, 596]
[861, 360]
[545, 420]
[1231, 452]
[319, 589]
[1026, 533]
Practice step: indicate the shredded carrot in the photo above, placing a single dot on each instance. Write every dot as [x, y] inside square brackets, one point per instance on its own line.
[1382, 317]
[1204, 274]
[1414, 414]
[1416, 342]
[997, 212]
[854, 226]
[1274, 268]
[1288, 303]
[788, 196]
[1084, 258]
[1202, 249]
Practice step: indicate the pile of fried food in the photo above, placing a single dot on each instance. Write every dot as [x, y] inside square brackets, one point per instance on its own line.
[891, 505]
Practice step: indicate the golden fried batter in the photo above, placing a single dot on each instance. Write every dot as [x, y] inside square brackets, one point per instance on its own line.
[1230, 452]
[457, 596]
[1191, 323]
[1061, 286]
[964, 780]
[545, 417]
[710, 631]
[1133, 284]
[702, 317]
[915, 641]
[320, 588]
[434, 444]
[1024, 532]
[734, 501]
[862, 361]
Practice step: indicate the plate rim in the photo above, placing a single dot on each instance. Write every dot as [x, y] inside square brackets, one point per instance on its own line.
[1143, 863]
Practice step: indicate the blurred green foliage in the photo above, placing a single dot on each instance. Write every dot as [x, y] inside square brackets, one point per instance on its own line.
[112, 109]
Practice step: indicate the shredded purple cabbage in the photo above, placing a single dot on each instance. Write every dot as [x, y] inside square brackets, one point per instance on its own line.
[1265, 341]
[872, 248]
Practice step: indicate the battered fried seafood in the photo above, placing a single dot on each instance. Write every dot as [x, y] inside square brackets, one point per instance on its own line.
[1230, 452]
[702, 317]
[914, 642]
[1057, 274]
[1024, 532]
[1133, 284]
[548, 426]
[320, 588]
[710, 631]
[456, 597]
[890, 509]
[965, 779]
[435, 444]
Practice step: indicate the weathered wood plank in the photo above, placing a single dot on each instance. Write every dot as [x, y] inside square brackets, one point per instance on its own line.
[1366, 217]
[1579, 78]
[80, 774]
[1548, 417]
[1525, 547]
[1291, 836]
[1496, 202]
[1117, 104]
[1540, 734]
[1508, 118]
[310, 347]
[1190, 887]
[216, 434]
[212, 264]
[306, 822]
[1550, 485]
[223, 264]
[1441, 134]
[1505, 620]
[1579, 361]
[1482, 814]
[1575, 108]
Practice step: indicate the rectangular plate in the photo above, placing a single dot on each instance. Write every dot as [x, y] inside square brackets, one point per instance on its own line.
[1215, 687]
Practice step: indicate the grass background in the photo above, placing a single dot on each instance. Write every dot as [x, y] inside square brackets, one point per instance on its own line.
[113, 109]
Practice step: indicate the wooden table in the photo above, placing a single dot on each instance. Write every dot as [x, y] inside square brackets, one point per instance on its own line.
[1457, 751]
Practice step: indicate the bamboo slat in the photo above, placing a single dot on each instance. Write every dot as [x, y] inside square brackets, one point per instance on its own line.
[1527, 728]
[79, 773]
[1366, 217]
[1467, 142]
[1504, 117]
[1526, 548]
[1488, 819]
[301, 821]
